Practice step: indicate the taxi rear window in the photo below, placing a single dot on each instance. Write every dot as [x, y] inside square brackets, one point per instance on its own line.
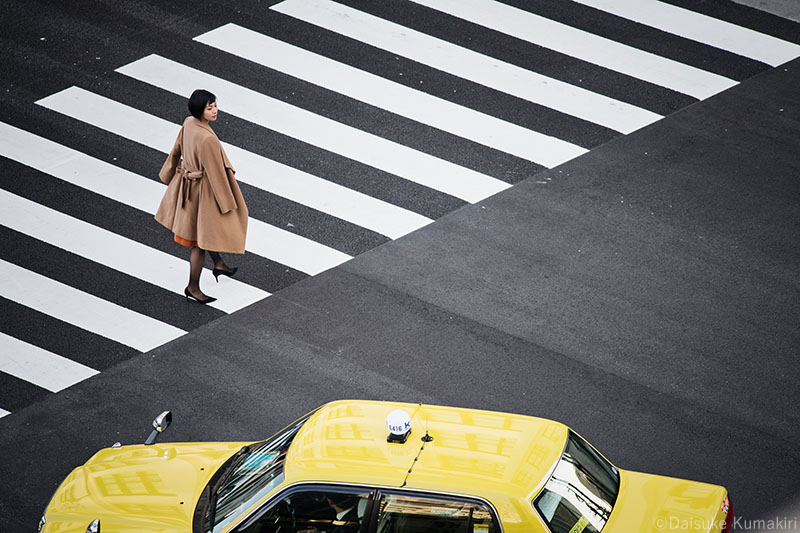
[581, 492]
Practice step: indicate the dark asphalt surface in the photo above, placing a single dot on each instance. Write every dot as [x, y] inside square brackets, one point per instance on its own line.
[646, 294]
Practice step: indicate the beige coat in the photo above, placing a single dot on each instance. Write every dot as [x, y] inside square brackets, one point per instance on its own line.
[203, 202]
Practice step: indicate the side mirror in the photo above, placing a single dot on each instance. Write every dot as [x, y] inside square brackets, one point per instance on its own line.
[160, 424]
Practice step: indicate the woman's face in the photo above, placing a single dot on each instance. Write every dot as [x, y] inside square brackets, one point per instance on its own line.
[210, 114]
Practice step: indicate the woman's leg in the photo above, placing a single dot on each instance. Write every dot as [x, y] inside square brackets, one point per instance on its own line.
[220, 268]
[196, 261]
[219, 263]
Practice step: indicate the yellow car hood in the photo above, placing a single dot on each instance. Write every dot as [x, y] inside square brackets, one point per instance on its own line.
[137, 488]
[649, 503]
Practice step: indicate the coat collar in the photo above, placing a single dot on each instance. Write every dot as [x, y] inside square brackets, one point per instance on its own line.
[197, 123]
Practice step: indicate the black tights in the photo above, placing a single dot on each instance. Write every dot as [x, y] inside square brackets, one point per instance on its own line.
[196, 262]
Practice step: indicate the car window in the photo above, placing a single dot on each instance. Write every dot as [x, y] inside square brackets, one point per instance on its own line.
[258, 471]
[313, 511]
[398, 513]
[581, 492]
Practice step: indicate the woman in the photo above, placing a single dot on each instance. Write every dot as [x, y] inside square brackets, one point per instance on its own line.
[203, 205]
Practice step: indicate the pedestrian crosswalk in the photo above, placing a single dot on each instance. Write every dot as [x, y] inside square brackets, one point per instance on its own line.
[350, 124]
[393, 97]
[316, 130]
[470, 65]
[585, 46]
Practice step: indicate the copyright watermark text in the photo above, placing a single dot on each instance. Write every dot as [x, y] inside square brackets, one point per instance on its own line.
[673, 523]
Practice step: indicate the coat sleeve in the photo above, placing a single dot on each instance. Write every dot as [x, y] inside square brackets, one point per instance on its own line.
[174, 157]
[214, 166]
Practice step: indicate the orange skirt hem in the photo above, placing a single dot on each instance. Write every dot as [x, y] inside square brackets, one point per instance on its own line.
[185, 242]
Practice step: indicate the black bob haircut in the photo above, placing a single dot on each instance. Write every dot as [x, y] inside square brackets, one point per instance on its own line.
[198, 101]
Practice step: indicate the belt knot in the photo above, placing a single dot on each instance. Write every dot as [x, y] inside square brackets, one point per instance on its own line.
[187, 178]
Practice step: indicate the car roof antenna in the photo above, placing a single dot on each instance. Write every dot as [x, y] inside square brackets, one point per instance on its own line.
[425, 440]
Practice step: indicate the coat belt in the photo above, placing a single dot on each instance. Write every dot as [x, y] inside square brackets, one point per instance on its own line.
[187, 178]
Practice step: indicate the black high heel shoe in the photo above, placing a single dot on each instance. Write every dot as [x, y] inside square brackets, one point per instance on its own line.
[219, 272]
[190, 296]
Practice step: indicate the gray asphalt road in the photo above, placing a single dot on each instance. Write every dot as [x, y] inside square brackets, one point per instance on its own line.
[645, 294]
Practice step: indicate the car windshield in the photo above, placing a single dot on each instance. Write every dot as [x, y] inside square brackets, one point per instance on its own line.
[581, 493]
[253, 475]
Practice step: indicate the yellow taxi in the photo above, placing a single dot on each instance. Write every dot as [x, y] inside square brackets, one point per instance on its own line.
[381, 467]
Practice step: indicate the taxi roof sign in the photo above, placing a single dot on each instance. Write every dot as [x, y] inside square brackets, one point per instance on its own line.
[398, 422]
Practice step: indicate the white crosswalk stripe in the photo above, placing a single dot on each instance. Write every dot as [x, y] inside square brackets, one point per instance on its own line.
[326, 205]
[320, 131]
[586, 46]
[488, 71]
[40, 367]
[701, 28]
[83, 310]
[391, 96]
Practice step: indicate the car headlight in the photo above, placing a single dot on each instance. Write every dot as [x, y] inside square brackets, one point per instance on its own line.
[42, 522]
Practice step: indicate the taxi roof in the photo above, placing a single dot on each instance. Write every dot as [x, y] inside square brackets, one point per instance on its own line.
[484, 453]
